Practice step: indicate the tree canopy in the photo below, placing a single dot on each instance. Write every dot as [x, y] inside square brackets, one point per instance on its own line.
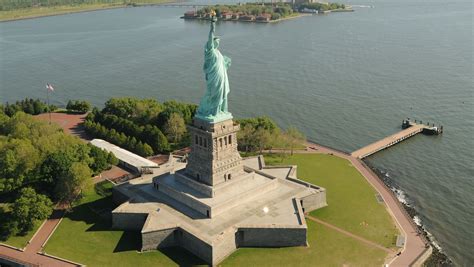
[257, 134]
[27, 105]
[33, 152]
[79, 106]
[38, 157]
[138, 124]
[175, 127]
[29, 208]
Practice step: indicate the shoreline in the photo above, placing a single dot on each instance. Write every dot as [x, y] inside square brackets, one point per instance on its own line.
[252, 21]
[82, 10]
[416, 248]
[438, 257]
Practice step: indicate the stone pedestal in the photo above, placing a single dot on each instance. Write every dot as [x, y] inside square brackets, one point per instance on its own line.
[214, 158]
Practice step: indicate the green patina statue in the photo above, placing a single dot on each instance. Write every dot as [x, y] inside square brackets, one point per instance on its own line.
[213, 106]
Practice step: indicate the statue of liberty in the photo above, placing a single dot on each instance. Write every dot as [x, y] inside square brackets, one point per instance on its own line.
[213, 105]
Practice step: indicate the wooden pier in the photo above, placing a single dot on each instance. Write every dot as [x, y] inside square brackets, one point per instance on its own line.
[410, 129]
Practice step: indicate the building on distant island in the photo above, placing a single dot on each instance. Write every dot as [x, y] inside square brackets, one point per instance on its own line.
[190, 14]
[247, 17]
[217, 202]
[226, 15]
[298, 2]
[264, 17]
[236, 15]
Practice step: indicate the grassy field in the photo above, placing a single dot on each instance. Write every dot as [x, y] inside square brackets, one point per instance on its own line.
[352, 203]
[327, 247]
[20, 241]
[95, 244]
[58, 10]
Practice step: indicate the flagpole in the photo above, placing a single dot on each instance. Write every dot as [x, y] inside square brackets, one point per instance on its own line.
[49, 107]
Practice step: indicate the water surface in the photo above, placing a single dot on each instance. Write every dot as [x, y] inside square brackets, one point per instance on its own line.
[345, 79]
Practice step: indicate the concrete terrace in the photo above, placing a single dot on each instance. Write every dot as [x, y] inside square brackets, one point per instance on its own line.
[264, 201]
[281, 209]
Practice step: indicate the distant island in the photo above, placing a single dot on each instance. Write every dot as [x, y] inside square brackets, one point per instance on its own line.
[264, 12]
[25, 9]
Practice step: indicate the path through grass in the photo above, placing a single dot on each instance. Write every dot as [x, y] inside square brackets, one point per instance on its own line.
[352, 203]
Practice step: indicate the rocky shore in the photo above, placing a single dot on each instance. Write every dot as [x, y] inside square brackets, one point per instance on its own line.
[438, 257]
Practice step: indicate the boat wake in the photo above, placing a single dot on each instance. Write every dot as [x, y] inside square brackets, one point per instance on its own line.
[362, 6]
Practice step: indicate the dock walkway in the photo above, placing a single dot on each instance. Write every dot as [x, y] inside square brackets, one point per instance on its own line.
[388, 141]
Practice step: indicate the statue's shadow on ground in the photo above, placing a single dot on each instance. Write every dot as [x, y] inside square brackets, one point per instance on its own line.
[98, 214]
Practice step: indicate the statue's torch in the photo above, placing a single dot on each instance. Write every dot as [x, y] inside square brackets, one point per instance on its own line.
[213, 15]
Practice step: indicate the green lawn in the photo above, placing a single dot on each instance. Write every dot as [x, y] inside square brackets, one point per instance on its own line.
[352, 204]
[85, 236]
[20, 241]
[327, 247]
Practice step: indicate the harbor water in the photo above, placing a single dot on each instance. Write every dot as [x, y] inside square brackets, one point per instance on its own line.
[345, 79]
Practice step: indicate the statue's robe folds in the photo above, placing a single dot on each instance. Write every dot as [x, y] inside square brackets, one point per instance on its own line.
[214, 102]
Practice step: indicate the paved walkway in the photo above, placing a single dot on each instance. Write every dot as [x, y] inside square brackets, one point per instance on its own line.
[340, 230]
[415, 245]
[30, 254]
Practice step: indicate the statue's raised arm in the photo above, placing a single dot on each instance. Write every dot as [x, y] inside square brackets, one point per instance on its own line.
[210, 41]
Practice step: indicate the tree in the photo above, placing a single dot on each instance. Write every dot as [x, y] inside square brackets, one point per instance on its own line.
[18, 158]
[138, 110]
[275, 16]
[75, 181]
[263, 138]
[30, 207]
[153, 136]
[131, 143]
[283, 143]
[175, 127]
[147, 150]
[245, 138]
[112, 160]
[295, 138]
[259, 122]
[101, 159]
[27, 105]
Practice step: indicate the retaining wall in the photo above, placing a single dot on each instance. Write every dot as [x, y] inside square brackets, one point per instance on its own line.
[159, 239]
[314, 201]
[272, 237]
[128, 221]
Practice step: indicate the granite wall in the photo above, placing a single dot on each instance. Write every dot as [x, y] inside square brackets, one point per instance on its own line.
[128, 221]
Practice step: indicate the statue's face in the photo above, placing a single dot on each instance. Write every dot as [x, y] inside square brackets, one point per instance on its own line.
[216, 42]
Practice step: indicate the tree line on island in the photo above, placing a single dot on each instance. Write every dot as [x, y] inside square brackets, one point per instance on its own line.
[247, 11]
[321, 6]
[143, 126]
[37, 106]
[260, 12]
[27, 105]
[6, 5]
